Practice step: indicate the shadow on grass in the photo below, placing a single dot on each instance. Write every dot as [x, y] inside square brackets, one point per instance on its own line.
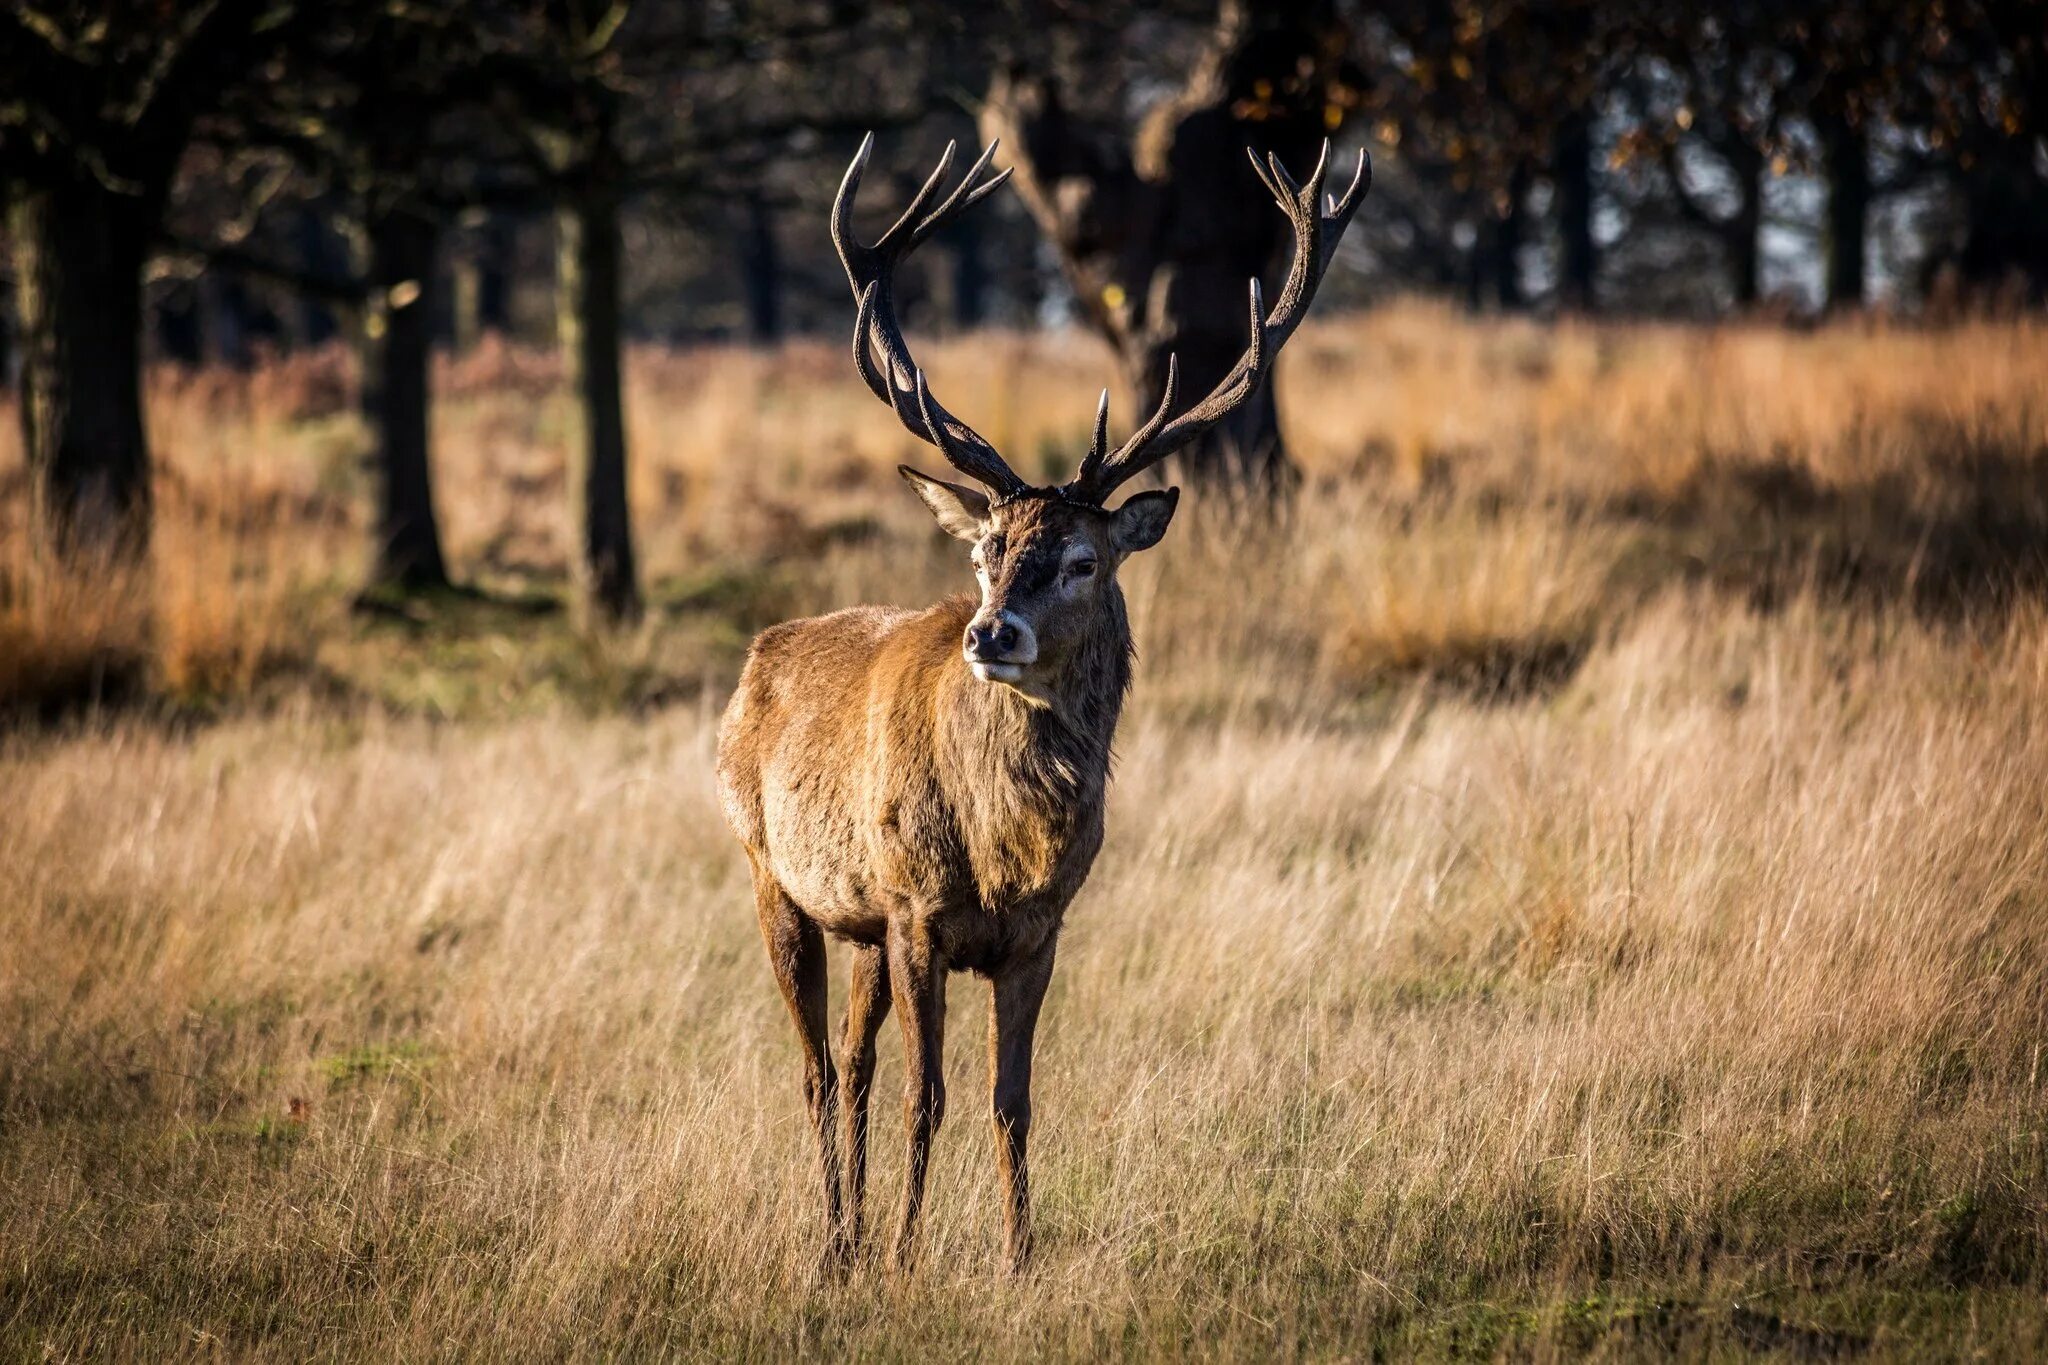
[1960, 538]
[1630, 1326]
[66, 691]
[1501, 671]
[468, 652]
[1962, 534]
[459, 607]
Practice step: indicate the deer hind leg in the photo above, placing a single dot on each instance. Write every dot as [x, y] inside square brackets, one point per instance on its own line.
[917, 984]
[796, 952]
[1014, 1000]
[867, 1007]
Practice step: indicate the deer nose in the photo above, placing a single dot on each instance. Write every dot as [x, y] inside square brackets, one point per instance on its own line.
[991, 639]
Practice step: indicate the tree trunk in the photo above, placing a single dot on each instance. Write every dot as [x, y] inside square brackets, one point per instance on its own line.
[1744, 234]
[1744, 265]
[180, 333]
[761, 273]
[2005, 202]
[324, 255]
[587, 274]
[1847, 164]
[1158, 231]
[79, 252]
[1213, 228]
[398, 355]
[497, 263]
[1510, 231]
[1241, 455]
[1481, 265]
[1998, 173]
[970, 274]
[465, 304]
[226, 320]
[482, 302]
[1578, 255]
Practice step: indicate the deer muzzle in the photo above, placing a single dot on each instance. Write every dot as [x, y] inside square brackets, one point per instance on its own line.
[999, 646]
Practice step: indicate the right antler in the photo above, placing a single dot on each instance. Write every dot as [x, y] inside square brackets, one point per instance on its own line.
[1314, 246]
[869, 269]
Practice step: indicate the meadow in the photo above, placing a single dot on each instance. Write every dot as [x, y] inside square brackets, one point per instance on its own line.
[1577, 882]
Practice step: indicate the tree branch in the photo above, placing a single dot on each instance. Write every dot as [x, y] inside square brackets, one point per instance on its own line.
[314, 284]
[182, 65]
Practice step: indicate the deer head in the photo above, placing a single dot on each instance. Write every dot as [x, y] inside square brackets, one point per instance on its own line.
[1046, 557]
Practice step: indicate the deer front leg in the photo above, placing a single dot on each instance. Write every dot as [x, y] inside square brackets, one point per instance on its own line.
[917, 983]
[867, 1006]
[1014, 1000]
[796, 953]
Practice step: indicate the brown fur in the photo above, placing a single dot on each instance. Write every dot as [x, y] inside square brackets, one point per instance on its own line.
[890, 798]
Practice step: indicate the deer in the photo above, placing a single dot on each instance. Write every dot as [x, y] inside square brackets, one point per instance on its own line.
[929, 787]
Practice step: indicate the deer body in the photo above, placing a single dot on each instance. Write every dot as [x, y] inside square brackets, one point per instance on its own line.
[890, 796]
[929, 786]
[866, 770]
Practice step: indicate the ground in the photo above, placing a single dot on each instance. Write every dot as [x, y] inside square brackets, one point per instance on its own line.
[1578, 884]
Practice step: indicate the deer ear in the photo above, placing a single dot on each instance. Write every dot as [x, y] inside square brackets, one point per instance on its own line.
[961, 511]
[1142, 520]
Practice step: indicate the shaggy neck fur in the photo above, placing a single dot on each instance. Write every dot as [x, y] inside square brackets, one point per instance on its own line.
[1027, 773]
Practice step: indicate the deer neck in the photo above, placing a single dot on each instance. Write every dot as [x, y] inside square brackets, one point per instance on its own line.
[1027, 773]
[1054, 736]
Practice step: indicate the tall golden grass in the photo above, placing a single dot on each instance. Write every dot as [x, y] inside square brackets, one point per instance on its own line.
[1577, 885]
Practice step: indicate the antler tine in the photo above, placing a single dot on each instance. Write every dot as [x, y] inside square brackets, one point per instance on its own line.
[863, 362]
[1315, 241]
[1341, 210]
[1265, 176]
[1244, 377]
[1316, 177]
[955, 203]
[1255, 354]
[1168, 394]
[1361, 180]
[913, 212]
[843, 239]
[1280, 174]
[934, 419]
[1098, 449]
[898, 380]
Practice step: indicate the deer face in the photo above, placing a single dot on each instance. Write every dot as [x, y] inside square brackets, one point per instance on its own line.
[1046, 567]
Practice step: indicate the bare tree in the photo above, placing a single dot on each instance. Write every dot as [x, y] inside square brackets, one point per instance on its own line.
[371, 121]
[610, 102]
[101, 104]
[1156, 225]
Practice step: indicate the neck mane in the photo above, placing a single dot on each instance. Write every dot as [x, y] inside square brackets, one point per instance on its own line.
[1057, 736]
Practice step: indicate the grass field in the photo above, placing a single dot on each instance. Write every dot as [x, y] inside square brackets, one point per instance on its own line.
[1579, 886]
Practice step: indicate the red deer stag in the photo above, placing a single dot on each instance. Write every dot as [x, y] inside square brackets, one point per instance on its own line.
[928, 785]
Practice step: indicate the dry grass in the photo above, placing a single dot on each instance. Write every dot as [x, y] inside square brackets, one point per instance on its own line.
[1579, 886]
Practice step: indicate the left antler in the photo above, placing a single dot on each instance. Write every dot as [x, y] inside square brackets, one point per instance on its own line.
[870, 270]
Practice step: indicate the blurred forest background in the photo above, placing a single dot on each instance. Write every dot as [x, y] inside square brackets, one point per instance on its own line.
[229, 182]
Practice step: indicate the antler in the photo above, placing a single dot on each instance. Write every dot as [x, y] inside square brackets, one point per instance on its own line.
[869, 269]
[1317, 230]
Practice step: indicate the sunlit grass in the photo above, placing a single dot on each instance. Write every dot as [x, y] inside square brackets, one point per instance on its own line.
[1576, 883]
